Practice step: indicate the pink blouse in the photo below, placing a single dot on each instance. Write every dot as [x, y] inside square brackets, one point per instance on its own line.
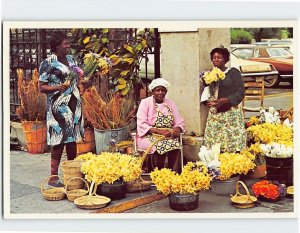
[146, 117]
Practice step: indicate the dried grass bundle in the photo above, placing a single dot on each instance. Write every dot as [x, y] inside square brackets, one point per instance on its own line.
[33, 102]
[113, 113]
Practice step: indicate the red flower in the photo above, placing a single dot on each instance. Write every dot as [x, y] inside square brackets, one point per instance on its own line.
[266, 189]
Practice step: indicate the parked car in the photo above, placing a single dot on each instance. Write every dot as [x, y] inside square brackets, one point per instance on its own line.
[280, 57]
[252, 70]
[287, 43]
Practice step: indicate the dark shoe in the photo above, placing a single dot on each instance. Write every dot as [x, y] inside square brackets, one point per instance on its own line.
[55, 184]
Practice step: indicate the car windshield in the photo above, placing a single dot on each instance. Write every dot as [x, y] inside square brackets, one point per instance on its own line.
[279, 52]
[244, 53]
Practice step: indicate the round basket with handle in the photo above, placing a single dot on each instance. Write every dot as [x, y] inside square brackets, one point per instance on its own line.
[92, 200]
[53, 194]
[75, 193]
[241, 200]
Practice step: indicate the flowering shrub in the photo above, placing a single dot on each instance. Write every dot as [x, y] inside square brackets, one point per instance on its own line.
[267, 189]
[213, 76]
[194, 177]
[110, 167]
[233, 163]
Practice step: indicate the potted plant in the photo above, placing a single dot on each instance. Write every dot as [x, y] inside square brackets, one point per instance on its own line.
[182, 189]
[225, 168]
[110, 171]
[277, 146]
[32, 112]
[269, 190]
[260, 162]
[110, 118]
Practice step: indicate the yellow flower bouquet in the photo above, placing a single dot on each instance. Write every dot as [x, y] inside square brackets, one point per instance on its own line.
[110, 167]
[233, 163]
[267, 133]
[193, 178]
[213, 76]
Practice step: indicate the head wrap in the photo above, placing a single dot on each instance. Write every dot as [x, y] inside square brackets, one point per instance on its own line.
[159, 82]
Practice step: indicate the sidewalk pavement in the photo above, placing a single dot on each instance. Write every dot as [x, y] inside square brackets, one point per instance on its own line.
[27, 172]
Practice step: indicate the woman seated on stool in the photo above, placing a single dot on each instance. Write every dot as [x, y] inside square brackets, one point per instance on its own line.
[158, 116]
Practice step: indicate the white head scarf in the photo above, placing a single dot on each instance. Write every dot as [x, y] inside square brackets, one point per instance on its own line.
[159, 82]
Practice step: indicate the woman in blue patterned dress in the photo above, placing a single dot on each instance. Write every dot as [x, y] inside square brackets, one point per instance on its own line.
[59, 79]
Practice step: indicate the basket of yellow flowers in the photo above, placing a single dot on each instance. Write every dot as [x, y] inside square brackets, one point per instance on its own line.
[109, 172]
[182, 189]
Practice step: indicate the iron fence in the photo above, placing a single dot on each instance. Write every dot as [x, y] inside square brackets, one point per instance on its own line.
[28, 47]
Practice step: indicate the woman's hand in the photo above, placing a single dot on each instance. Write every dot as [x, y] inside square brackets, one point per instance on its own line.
[165, 132]
[218, 103]
[61, 88]
[176, 132]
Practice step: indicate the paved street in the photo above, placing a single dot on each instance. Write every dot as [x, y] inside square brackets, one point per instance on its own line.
[28, 171]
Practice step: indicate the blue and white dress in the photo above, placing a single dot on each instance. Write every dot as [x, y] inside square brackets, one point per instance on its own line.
[64, 113]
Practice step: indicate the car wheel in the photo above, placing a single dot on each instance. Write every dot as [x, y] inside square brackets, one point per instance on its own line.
[271, 81]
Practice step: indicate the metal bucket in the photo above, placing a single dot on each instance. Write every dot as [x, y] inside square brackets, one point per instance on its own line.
[225, 187]
[183, 202]
[103, 137]
[114, 191]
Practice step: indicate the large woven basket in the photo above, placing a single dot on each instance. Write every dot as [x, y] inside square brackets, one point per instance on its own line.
[52, 194]
[71, 169]
[75, 193]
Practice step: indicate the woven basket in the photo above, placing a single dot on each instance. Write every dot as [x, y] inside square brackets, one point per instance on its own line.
[71, 166]
[243, 201]
[91, 202]
[71, 169]
[75, 193]
[53, 194]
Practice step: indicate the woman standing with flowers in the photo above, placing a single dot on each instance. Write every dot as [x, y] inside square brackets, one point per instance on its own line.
[225, 122]
[59, 79]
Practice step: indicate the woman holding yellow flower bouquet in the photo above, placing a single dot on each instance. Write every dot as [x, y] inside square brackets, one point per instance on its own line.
[225, 122]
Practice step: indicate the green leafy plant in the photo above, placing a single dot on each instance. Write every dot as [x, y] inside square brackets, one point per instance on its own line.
[124, 58]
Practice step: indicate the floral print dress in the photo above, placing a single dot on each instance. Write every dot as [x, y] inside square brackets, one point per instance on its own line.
[228, 127]
[64, 114]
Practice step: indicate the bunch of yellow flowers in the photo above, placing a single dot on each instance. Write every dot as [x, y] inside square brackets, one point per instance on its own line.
[213, 76]
[233, 163]
[267, 133]
[93, 62]
[110, 167]
[194, 177]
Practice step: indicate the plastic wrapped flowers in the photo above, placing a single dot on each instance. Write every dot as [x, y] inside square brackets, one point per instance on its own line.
[275, 150]
[223, 166]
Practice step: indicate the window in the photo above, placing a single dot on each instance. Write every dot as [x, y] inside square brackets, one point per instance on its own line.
[243, 53]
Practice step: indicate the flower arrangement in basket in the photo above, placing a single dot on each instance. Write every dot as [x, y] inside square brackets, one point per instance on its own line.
[275, 140]
[194, 177]
[33, 102]
[222, 166]
[269, 190]
[110, 167]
